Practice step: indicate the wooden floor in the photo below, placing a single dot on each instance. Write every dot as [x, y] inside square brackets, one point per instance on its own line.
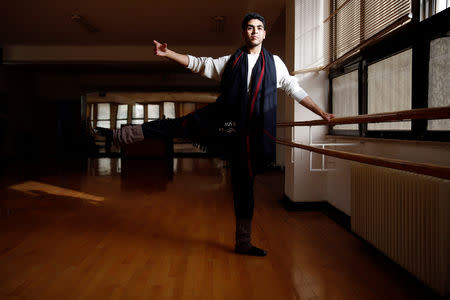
[151, 233]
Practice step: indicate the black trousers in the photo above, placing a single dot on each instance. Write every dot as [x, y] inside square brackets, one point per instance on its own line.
[242, 182]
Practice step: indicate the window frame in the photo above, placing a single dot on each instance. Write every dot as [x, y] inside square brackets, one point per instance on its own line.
[174, 109]
[144, 106]
[416, 35]
[97, 119]
[147, 118]
[117, 116]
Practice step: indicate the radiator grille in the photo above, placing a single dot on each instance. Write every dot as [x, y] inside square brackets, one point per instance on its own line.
[405, 216]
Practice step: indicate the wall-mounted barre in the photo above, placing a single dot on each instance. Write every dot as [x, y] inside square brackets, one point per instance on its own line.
[405, 115]
[420, 168]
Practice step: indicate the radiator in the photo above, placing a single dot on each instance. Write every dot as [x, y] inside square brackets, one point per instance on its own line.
[407, 217]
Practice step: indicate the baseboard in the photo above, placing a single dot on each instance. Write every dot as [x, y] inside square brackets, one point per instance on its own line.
[326, 208]
[290, 205]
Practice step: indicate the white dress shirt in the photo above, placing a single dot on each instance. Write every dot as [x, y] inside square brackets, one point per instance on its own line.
[213, 68]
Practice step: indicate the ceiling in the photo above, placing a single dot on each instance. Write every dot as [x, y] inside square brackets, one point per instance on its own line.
[132, 22]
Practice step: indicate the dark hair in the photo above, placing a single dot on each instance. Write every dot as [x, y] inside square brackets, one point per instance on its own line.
[251, 16]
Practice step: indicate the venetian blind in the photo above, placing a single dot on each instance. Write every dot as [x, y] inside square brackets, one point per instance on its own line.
[311, 34]
[351, 25]
[355, 22]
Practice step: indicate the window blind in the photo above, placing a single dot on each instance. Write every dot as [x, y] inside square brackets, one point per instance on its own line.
[310, 34]
[350, 25]
[355, 22]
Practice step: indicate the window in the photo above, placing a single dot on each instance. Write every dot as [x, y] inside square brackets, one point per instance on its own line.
[345, 98]
[103, 115]
[439, 84]
[310, 28]
[429, 8]
[122, 115]
[389, 89]
[407, 68]
[169, 110]
[440, 5]
[138, 114]
[152, 112]
[91, 114]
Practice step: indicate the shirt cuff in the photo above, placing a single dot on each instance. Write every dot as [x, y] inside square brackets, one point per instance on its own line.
[190, 65]
[299, 95]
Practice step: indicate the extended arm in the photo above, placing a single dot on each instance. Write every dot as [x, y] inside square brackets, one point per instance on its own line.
[163, 51]
[290, 85]
[207, 66]
[312, 106]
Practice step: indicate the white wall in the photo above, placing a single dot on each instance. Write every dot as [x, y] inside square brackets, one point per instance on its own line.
[301, 185]
[289, 114]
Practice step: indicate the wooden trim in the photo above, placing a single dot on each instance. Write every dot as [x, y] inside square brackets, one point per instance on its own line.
[95, 115]
[338, 216]
[324, 207]
[420, 168]
[385, 140]
[290, 205]
[413, 114]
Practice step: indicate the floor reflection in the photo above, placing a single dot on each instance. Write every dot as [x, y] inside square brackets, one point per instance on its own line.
[109, 182]
[34, 188]
[104, 166]
[151, 175]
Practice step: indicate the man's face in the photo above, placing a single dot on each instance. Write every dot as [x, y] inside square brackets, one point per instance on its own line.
[254, 33]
